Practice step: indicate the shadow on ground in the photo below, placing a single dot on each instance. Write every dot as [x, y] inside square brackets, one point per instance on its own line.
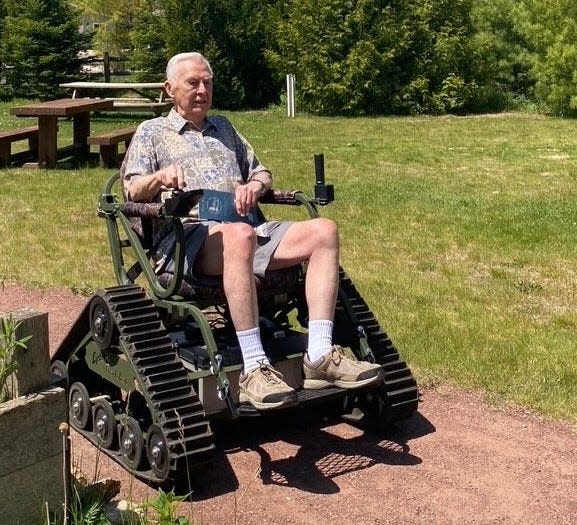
[321, 455]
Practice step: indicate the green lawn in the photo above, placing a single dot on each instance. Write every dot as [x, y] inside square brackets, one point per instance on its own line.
[458, 231]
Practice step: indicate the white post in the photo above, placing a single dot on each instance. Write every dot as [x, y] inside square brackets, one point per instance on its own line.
[290, 95]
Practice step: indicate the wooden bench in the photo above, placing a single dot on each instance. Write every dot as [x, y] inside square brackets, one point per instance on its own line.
[109, 142]
[15, 135]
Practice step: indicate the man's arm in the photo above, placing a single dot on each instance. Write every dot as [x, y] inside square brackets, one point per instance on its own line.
[145, 187]
[264, 178]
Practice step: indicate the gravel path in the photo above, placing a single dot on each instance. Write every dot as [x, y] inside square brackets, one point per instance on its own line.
[459, 461]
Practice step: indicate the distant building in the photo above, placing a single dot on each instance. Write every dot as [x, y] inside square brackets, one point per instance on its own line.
[89, 24]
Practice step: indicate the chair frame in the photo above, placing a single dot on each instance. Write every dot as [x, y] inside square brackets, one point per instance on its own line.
[122, 237]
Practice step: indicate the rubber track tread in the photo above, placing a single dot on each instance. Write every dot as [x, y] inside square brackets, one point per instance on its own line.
[400, 385]
[162, 378]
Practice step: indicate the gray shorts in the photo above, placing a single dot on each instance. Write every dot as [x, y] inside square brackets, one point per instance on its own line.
[269, 235]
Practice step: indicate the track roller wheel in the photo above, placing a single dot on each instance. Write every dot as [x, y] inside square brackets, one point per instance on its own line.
[157, 451]
[131, 442]
[79, 406]
[59, 370]
[102, 325]
[104, 423]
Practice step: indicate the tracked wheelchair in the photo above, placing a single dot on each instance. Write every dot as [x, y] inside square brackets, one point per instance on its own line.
[153, 360]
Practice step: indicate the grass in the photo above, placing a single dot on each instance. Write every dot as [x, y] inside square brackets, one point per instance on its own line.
[458, 231]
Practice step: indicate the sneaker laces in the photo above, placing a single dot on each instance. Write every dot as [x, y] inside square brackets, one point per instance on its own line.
[269, 373]
[337, 355]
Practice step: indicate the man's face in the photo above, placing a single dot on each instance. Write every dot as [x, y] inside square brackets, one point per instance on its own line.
[191, 89]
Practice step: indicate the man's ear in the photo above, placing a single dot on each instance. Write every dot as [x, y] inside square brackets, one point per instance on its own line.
[168, 88]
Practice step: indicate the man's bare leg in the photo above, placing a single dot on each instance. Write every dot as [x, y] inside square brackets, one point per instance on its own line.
[324, 365]
[317, 242]
[229, 250]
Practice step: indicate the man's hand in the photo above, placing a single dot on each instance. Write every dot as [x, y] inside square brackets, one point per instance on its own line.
[143, 189]
[171, 177]
[246, 196]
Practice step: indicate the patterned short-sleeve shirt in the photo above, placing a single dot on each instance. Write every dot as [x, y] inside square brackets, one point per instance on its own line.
[218, 157]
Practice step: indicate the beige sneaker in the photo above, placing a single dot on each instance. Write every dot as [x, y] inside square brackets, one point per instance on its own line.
[336, 369]
[265, 389]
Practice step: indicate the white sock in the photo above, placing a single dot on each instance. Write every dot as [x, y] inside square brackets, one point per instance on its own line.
[251, 348]
[320, 338]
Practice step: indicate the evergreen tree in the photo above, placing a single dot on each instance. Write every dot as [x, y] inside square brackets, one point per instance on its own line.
[232, 34]
[378, 56]
[41, 41]
[505, 50]
[149, 56]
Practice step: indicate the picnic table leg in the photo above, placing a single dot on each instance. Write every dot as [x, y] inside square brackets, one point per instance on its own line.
[5, 150]
[33, 145]
[82, 132]
[47, 141]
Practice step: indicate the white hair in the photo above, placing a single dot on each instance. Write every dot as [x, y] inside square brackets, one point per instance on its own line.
[173, 62]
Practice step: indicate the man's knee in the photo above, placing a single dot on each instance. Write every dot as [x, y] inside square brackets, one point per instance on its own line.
[326, 231]
[239, 237]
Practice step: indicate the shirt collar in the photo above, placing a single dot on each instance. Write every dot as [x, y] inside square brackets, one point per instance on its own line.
[181, 124]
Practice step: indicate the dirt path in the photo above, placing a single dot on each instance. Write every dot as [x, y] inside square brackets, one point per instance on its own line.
[458, 461]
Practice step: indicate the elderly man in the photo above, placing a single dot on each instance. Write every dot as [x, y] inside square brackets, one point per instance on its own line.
[190, 150]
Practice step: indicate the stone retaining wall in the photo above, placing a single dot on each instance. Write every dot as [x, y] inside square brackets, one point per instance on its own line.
[31, 444]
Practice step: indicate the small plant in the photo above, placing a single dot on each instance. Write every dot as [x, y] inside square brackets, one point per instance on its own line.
[86, 507]
[165, 506]
[9, 345]
[87, 512]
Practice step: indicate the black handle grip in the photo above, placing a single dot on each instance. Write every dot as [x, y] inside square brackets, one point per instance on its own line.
[324, 193]
[319, 168]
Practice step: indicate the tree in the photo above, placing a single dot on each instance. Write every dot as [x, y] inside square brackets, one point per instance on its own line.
[232, 34]
[443, 73]
[149, 56]
[41, 41]
[377, 56]
[115, 18]
[505, 50]
[551, 30]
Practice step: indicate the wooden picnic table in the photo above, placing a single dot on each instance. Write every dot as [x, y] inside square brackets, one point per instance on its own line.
[144, 101]
[130, 86]
[78, 109]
